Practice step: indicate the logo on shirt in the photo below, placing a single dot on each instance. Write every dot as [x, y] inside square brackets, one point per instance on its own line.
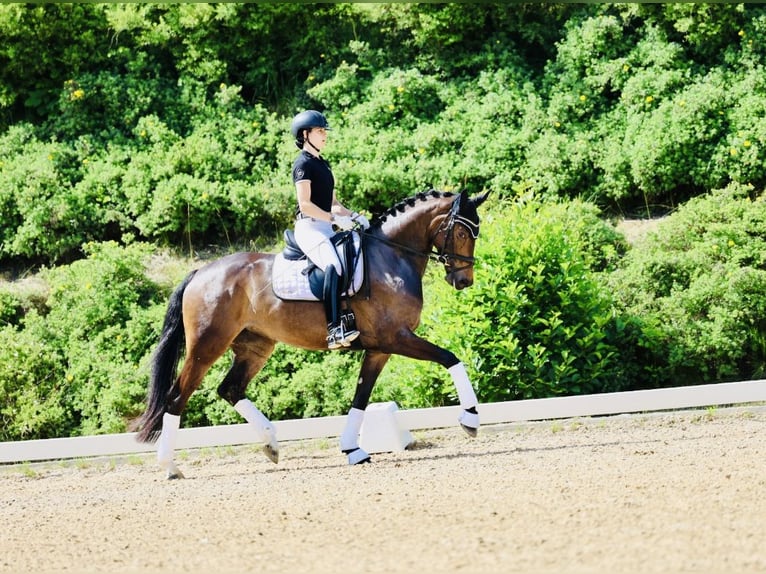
[299, 174]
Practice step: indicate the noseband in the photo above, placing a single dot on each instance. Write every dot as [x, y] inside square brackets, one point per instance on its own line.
[442, 255]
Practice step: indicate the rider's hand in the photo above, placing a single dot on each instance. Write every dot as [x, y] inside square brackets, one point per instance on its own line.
[361, 220]
[343, 222]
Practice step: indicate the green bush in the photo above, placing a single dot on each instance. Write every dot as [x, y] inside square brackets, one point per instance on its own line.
[535, 323]
[78, 367]
[11, 309]
[34, 400]
[699, 285]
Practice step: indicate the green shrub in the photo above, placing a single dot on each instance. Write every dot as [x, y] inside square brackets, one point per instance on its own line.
[11, 309]
[34, 399]
[535, 323]
[699, 285]
[79, 366]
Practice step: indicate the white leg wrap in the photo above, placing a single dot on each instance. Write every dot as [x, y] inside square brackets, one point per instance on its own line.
[267, 434]
[469, 420]
[358, 456]
[349, 440]
[463, 386]
[266, 431]
[167, 442]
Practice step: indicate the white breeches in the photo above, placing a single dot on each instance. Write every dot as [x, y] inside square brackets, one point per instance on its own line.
[313, 237]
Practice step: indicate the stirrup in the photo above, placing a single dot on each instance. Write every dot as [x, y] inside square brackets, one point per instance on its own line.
[333, 338]
[337, 337]
[347, 336]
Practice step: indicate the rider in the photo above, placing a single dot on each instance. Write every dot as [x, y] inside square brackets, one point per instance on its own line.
[318, 211]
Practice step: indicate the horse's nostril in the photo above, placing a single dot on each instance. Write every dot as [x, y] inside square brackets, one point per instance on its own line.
[462, 283]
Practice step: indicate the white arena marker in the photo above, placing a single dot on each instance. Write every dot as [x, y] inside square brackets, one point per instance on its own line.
[381, 430]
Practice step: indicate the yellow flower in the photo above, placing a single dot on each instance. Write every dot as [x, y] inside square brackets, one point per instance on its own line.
[78, 94]
[649, 99]
[222, 87]
[715, 248]
[421, 151]
[204, 195]
[69, 378]
[88, 286]
[391, 107]
[682, 103]
[741, 33]
[731, 243]
[143, 133]
[733, 151]
[625, 68]
[400, 89]
[746, 143]
[557, 124]
[582, 97]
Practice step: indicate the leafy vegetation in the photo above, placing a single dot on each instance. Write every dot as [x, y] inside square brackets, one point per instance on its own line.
[129, 131]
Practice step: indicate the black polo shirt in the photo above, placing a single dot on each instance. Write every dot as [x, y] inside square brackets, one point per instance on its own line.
[318, 172]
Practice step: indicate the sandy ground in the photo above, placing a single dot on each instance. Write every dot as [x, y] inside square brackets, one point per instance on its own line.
[671, 492]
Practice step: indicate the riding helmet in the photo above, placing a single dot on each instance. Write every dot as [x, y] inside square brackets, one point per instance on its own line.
[305, 121]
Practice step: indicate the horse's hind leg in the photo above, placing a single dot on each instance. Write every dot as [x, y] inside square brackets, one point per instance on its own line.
[250, 354]
[372, 365]
[187, 382]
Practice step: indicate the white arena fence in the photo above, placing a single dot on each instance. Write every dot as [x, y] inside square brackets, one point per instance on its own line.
[413, 419]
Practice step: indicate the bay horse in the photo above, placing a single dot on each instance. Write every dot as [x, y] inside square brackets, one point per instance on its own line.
[230, 303]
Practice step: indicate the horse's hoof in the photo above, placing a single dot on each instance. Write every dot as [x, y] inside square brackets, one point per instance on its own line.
[172, 470]
[271, 450]
[469, 420]
[357, 456]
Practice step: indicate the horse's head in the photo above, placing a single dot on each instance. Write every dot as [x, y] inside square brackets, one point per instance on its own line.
[455, 239]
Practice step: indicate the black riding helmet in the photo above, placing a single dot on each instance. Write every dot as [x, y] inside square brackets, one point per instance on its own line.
[305, 121]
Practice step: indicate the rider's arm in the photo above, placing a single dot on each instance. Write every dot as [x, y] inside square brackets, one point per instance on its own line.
[306, 206]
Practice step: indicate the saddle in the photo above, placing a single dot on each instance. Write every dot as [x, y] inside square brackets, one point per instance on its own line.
[295, 277]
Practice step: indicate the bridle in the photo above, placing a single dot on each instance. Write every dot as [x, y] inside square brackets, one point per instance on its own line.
[443, 255]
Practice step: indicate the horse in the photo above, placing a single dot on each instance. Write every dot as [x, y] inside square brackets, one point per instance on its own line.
[230, 303]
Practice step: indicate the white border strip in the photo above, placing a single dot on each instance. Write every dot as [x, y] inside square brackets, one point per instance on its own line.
[414, 419]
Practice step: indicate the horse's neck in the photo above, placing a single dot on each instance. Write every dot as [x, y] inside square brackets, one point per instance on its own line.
[414, 230]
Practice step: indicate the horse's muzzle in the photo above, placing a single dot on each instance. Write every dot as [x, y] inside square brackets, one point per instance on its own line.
[459, 279]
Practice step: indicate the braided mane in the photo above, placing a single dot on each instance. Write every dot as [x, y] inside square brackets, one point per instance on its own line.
[403, 205]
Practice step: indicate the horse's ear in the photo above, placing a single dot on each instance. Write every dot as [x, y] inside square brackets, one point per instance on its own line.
[479, 199]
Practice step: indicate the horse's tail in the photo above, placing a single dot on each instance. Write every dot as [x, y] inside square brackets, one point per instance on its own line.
[164, 366]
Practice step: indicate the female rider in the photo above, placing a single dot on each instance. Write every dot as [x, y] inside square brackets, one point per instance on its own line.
[318, 211]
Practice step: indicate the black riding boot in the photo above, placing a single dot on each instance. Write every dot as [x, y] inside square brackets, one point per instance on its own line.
[337, 336]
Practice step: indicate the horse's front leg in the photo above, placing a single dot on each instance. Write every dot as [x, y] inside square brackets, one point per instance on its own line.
[250, 354]
[372, 365]
[469, 417]
[410, 345]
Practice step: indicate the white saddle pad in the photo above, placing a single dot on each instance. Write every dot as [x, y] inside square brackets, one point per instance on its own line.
[289, 282]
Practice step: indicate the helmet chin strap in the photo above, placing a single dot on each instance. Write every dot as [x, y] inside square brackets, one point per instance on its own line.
[308, 141]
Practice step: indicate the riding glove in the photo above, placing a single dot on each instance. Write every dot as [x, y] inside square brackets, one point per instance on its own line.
[361, 220]
[343, 222]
